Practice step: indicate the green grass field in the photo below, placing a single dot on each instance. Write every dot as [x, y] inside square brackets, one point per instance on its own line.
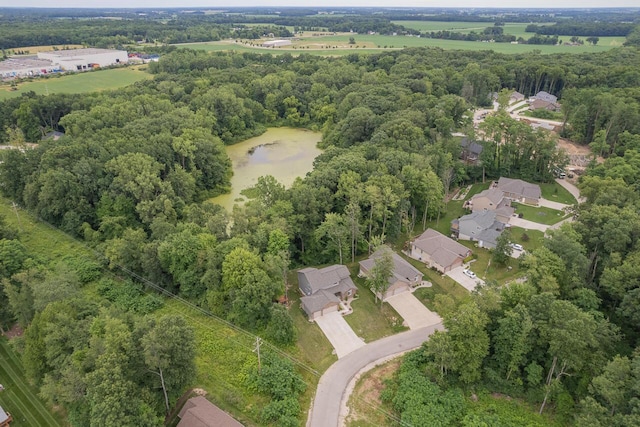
[557, 193]
[19, 398]
[540, 214]
[338, 45]
[78, 83]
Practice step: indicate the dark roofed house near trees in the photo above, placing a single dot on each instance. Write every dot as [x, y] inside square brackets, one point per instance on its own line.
[324, 288]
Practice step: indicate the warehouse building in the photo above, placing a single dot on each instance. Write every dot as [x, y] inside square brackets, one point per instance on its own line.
[84, 59]
[26, 67]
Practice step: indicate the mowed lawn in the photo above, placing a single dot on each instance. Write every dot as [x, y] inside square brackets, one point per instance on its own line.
[19, 398]
[92, 81]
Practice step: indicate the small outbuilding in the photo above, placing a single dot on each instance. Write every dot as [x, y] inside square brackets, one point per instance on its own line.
[276, 43]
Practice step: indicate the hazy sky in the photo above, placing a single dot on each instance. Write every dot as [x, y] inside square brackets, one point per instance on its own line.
[322, 3]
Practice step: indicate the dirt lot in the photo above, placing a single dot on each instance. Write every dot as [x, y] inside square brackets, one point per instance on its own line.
[579, 155]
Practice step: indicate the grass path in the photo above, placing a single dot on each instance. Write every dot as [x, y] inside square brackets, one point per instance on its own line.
[19, 398]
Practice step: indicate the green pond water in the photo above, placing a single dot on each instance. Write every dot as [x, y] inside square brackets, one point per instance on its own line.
[284, 153]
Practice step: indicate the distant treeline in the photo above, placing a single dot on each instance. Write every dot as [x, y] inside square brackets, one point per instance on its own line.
[601, 29]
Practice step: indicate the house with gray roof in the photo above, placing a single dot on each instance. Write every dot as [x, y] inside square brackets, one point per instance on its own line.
[403, 277]
[324, 288]
[540, 104]
[546, 96]
[438, 251]
[471, 150]
[492, 199]
[516, 97]
[199, 412]
[482, 227]
[519, 190]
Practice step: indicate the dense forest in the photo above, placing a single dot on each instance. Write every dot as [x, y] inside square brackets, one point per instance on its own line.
[133, 174]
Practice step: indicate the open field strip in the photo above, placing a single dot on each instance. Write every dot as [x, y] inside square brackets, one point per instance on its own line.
[91, 81]
[338, 45]
[19, 398]
[30, 50]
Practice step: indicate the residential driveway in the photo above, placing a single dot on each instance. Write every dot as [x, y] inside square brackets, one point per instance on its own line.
[515, 253]
[551, 204]
[571, 189]
[526, 224]
[414, 313]
[339, 333]
[467, 282]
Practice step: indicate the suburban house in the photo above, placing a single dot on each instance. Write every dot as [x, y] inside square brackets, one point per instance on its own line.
[492, 200]
[546, 96]
[540, 104]
[324, 288]
[403, 277]
[5, 418]
[199, 412]
[519, 190]
[481, 226]
[438, 251]
[471, 150]
[516, 97]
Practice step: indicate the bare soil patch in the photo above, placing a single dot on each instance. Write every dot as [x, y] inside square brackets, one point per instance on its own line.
[15, 331]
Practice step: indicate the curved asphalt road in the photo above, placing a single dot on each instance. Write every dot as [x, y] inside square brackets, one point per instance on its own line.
[333, 384]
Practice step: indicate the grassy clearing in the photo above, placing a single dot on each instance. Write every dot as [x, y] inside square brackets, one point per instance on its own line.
[539, 214]
[365, 403]
[92, 81]
[509, 411]
[41, 240]
[557, 193]
[30, 50]
[529, 239]
[369, 320]
[338, 45]
[19, 398]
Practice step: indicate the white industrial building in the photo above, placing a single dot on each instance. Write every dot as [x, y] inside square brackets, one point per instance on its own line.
[85, 59]
[26, 67]
[61, 60]
[276, 43]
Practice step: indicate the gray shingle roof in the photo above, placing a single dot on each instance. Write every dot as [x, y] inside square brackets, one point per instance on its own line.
[318, 301]
[199, 412]
[519, 187]
[402, 270]
[335, 278]
[492, 194]
[442, 250]
[546, 96]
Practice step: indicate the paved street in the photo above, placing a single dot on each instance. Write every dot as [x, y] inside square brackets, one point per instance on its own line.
[571, 189]
[414, 313]
[467, 282]
[333, 384]
[339, 333]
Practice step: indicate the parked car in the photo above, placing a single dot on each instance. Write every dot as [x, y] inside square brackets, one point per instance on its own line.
[469, 273]
[516, 246]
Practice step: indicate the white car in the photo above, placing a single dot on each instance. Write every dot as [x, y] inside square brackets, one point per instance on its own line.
[469, 273]
[516, 246]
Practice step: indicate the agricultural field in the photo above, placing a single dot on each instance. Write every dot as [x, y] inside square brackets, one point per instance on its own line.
[19, 398]
[30, 50]
[92, 81]
[339, 45]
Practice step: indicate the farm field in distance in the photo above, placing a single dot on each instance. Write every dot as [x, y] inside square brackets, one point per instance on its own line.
[92, 81]
[339, 45]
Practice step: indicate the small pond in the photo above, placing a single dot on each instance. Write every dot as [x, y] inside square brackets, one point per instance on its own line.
[285, 153]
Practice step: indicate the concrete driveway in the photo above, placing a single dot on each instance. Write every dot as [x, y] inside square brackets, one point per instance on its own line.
[467, 282]
[571, 188]
[526, 224]
[551, 204]
[515, 253]
[339, 333]
[414, 313]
